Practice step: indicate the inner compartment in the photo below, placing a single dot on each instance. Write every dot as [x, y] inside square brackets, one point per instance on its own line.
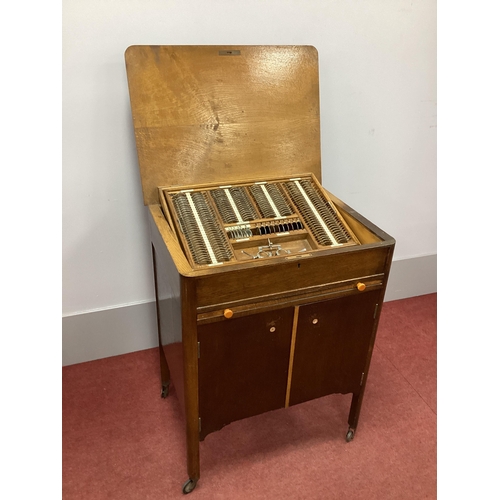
[279, 246]
[220, 224]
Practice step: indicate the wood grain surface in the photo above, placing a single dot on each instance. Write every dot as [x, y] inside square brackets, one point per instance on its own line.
[201, 117]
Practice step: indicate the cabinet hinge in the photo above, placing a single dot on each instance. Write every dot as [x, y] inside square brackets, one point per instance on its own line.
[198, 350]
[375, 312]
[199, 424]
[362, 377]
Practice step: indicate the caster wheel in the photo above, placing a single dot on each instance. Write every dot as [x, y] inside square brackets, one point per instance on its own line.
[350, 435]
[164, 391]
[189, 486]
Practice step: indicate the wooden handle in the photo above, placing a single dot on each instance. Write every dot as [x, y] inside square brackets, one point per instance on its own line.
[228, 313]
[361, 286]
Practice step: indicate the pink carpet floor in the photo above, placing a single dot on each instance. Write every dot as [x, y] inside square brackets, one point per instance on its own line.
[122, 441]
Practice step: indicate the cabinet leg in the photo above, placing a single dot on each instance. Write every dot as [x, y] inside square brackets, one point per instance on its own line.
[357, 399]
[193, 453]
[165, 371]
[165, 374]
[353, 416]
[190, 357]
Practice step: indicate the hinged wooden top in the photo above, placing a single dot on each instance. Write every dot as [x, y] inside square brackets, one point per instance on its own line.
[223, 113]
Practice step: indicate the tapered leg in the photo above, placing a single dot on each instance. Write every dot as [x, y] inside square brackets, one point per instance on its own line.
[357, 399]
[190, 356]
[165, 372]
[355, 409]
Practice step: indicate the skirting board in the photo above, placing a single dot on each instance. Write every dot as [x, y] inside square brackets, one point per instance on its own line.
[412, 277]
[110, 332]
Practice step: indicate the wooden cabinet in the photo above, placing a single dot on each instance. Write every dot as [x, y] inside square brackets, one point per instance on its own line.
[247, 325]
[298, 331]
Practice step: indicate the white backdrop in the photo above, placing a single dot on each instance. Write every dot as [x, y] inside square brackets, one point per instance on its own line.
[378, 121]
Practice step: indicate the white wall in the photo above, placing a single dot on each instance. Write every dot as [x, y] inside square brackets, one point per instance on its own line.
[378, 118]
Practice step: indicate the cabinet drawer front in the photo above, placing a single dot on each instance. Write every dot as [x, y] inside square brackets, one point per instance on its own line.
[285, 277]
[293, 298]
[243, 367]
[332, 346]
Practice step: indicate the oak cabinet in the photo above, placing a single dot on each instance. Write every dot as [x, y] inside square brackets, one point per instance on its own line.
[270, 324]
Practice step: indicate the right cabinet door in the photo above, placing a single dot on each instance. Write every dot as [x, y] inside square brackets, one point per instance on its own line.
[333, 345]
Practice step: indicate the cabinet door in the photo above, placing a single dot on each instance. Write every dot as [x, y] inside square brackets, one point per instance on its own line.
[332, 346]
[243, 367]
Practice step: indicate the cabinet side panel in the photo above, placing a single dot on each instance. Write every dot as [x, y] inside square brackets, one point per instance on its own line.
[169, 310]
[168, 286]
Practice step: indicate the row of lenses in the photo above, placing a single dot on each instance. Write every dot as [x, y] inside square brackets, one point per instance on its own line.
[278, 227]
[217, 240]
[335, 234]
[262, 193]
[239, 232]
[224, 206]
[216, 236]
[245, 231]
[243, 203]
[327, 212]
[191, 231]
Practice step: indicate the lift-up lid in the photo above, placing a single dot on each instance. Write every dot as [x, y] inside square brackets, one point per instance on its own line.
[223, 113]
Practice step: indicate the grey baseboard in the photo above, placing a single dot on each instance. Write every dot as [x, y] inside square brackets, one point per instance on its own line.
[110, 332]
[412, 277]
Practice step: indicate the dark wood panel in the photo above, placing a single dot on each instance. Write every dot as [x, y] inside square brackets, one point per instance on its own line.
[243, 367]
[332, 346]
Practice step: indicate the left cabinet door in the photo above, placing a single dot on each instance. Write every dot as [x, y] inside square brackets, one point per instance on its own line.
[243, 367]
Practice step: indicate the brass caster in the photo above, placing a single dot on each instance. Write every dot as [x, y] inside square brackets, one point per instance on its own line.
[164, 390]
[350, 435]
[189, 486]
